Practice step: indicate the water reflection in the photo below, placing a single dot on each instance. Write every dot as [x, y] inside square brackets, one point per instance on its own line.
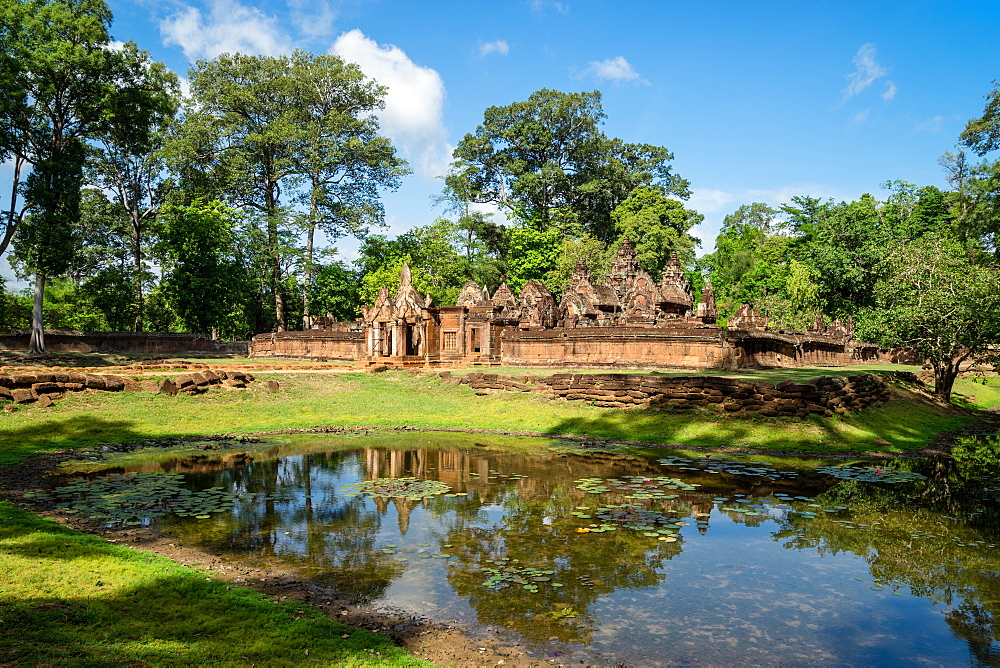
[796, 568]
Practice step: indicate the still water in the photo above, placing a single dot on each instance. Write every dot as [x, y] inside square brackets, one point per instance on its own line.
[615, 555]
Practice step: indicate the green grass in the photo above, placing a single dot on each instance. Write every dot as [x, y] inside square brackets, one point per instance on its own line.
[74, 599]
[399, 398]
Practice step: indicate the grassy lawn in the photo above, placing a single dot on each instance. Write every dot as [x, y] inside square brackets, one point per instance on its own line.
[399, 398]
[71, 598]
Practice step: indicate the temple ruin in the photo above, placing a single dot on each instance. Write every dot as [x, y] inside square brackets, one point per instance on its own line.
[628, 320]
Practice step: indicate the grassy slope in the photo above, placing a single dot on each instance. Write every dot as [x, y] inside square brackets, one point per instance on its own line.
[396, 398]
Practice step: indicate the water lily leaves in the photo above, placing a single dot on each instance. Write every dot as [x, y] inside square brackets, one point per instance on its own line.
[135, 497]
[871, 474]
[526, 576]
[399, 488]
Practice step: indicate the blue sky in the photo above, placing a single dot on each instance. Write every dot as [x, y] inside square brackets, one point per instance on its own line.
[757, 101]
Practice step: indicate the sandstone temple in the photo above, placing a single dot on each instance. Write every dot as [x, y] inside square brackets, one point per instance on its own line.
[628, 320]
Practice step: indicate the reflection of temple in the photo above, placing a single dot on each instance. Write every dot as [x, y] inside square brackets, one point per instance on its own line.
[628, 319]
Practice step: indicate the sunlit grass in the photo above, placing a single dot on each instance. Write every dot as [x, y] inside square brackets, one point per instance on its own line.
[74, 599]
[402, 399]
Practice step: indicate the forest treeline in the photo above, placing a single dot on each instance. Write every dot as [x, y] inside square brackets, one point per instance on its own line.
[132, 207]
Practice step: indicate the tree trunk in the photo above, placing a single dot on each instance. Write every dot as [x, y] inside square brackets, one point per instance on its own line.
[945, 373]
[137, 276]
[36, 345]
[306, 315]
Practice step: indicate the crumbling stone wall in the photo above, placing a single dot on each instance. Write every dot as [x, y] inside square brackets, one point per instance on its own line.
[825, 395]
[311, 344]
[45, 387]
[24, 388]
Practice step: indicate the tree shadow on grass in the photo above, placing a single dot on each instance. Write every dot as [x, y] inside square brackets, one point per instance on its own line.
[906, 423]
[20, 442]
[121, 606]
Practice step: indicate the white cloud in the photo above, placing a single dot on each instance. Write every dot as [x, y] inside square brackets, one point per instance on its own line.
[613, 69]
[931, 126]
[866, 71]
[229, 27]
[543, 6]
[412, 117]
[313, 18]
[496, 46]
[890, 91]
[861, 116]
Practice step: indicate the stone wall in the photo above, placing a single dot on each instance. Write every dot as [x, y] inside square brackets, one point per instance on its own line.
[24, 388]
[44, 387]
[311, 344]
[623, 347]
[155, 343]
[824, 395]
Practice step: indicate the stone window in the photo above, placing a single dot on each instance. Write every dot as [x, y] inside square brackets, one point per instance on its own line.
[451, 340]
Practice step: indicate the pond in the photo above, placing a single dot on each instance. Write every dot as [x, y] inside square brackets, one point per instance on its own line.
[601, 553]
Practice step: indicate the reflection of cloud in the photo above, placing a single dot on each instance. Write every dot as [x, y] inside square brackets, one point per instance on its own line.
[229, 28]
[496, 46]
[613, 69]
[866, 71]
[412, 117]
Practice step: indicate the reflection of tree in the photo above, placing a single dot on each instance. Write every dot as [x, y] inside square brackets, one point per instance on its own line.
[539, 532]
[911, 534]
[330, 539]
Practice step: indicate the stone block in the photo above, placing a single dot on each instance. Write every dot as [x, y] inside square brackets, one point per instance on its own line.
[24, 380]
[732, 407]
[114, 383]
[273, 386]
[6, 381]
[46, 388]
[95, 382]
[22, 395]
[45, 400]
[168, 387]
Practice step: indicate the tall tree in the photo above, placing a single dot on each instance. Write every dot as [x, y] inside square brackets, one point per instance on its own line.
[270, 132]
[982, 134]
[59, 79]
[546, 160]
[341, 158]
[127, 161]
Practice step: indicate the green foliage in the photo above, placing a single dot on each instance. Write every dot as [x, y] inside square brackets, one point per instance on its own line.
[933, 295]
[547, 160]
[657, 226]
[587, 249]
[47, 239]
[335, 291]
[531, 254]
[204, 281]
[982, 134]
